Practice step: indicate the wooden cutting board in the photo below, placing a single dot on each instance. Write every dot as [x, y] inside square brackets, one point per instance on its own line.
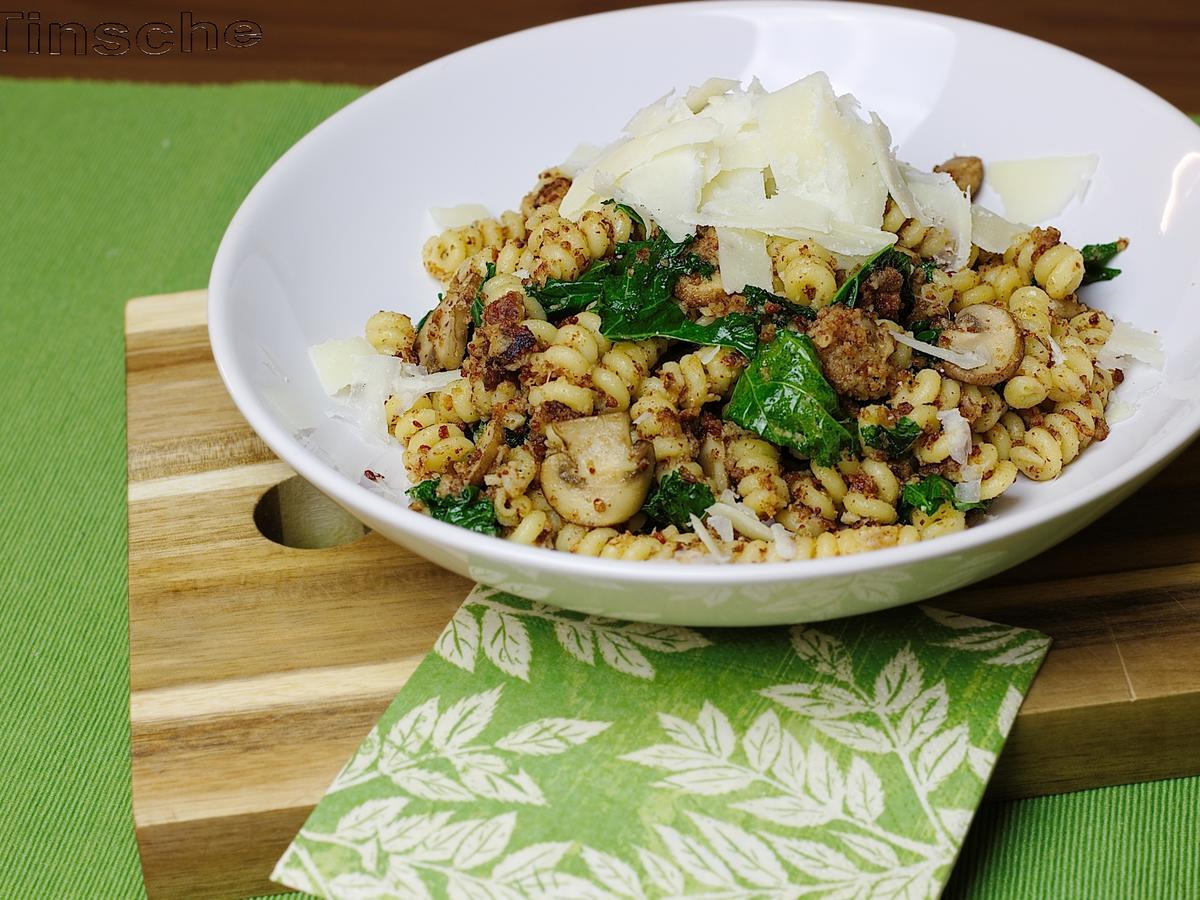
[257, 668]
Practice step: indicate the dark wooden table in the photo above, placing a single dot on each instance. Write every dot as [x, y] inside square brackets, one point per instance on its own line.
[363, 42]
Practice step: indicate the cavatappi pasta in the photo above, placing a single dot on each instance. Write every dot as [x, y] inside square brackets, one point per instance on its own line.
[640, 447]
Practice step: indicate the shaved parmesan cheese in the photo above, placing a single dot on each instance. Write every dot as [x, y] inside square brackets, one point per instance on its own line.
[1057, 357]
[458, 216]
[1034, 190]
[889, 170]
[637, 151]
[706, 538]
[666, 189]
[743, 519]
[744, 150]
[656, 115]
[722, 526]
[785, 546]
[743, 260]
[581, 157]
[698, 97]
[1127, 342]
[822, 151]
[941, 204]
[969, 360]
[365, 378]
[992, 232]
[958, 430]
[1118, 411]
[968, 491]
[336, 362]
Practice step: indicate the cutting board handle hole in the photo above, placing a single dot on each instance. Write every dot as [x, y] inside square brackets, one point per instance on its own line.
[295, 514]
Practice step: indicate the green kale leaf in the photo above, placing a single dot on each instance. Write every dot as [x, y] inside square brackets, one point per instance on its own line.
[929, 495]
[778, 309]
[924, 331]
[784, 397]
[633, 295]
[889, 257]
[1096, 258]
[467, 510]
[675, 499]
[895, 442]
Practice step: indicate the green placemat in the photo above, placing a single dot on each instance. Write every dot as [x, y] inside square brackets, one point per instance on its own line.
[543, 753]
[114, 191]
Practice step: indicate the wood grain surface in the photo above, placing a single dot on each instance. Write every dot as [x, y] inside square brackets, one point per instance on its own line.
[364, 42]
[256, 669]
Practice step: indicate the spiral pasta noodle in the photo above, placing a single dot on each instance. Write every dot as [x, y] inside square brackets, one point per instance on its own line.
[445, 252]
[805, 271]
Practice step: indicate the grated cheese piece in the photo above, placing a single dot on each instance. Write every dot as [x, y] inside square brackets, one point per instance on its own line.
[968, 491]
[785, 546]
[743, 519]
[889, 170]
[1057, 357]
[706, 538]
[1127, 342]
[665, 189]
[337, 360]
[958, 430]
[581, 157]
[993, 232]
[1034, 190]
[967, 360]
[699, 97]
[941, 204]
[458, 216]
[1118, 410]
[722, 526]
[743, 259]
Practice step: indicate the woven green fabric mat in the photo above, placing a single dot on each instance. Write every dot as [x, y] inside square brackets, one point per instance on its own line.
[114, 191]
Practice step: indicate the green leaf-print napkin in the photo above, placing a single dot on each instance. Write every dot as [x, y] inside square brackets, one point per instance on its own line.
[543, 753]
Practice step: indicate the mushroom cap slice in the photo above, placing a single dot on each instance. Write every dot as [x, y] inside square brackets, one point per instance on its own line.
[600, 477]
[990, 333]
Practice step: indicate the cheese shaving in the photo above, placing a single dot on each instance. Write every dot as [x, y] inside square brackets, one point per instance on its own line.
[336, 361]
[581, 157]
[698, 97]
[742, 518]
[967, 360]
[785, 546]
[458, 216]
[743, 260]
[968, 491]
[799, 163]
[993, 232]
[1126, 343]
[1034, 190]
[1118, 411]
[722, 526]
[707, 539]
[958, 431]
[1057, 357]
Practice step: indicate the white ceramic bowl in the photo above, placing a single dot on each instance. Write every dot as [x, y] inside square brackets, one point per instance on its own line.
[333, 233]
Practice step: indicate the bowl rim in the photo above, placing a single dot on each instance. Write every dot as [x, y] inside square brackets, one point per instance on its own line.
[425, 529]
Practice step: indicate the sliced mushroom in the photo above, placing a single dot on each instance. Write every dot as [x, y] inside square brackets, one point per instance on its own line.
[600, 477]
[989, 333]
[442, 340]
[487, 444]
